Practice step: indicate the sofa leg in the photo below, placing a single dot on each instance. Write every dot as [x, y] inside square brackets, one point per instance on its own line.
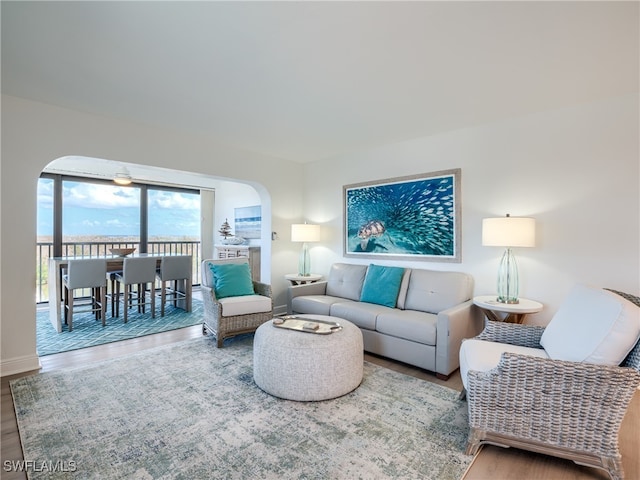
[440, 376]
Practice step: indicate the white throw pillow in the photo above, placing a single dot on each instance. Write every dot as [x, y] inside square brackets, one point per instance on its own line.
[592, 325]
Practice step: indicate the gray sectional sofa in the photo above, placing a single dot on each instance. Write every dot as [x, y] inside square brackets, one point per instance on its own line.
[433, 312]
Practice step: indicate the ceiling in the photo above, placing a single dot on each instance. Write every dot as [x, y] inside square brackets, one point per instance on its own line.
[307, 80]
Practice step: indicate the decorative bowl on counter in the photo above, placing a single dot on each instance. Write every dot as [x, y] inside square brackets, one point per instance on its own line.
[122, 252]
[233, 241]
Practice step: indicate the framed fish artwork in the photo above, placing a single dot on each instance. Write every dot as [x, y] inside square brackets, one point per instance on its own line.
[406, 218]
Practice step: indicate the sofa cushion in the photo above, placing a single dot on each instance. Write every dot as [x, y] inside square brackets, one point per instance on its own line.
[232, 279]
[232, 306]
[381, 285]
[481, 355]
[434, 291]
[346, 280]
[362, 314]
[409, 324]
[592, 325]
[315, 304]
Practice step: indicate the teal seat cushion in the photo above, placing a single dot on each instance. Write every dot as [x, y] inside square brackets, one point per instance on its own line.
[232, 279]
[382, 285]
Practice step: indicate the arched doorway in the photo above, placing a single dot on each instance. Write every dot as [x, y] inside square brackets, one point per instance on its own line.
[155, 197]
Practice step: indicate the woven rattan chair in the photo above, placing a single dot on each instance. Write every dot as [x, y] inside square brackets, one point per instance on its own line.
[230, 316]
[566, 409]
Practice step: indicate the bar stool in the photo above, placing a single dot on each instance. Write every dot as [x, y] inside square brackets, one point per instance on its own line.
[85, 273]
[136, 271]
[177, 268]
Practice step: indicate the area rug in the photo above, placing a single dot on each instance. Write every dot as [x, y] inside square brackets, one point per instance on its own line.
[192, 411]
[88, 332]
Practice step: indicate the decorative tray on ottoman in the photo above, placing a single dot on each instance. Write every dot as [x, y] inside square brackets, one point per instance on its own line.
[303, 324]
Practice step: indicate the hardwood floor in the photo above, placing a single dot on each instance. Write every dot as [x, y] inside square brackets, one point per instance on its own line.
[491, 463]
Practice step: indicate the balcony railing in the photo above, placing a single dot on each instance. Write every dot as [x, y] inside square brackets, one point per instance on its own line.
[44, 250]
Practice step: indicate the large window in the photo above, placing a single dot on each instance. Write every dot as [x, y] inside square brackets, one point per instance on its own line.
[173, 215]
[94, 214]
[85, 217]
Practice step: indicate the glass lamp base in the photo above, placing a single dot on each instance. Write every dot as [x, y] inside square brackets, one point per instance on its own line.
[304, 263]
[508, 279]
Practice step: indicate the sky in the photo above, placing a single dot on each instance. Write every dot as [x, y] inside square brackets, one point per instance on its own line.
[110, 210]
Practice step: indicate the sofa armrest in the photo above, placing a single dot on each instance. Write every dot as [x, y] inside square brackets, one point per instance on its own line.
[316, 288]
[513, 334]
[454, 324]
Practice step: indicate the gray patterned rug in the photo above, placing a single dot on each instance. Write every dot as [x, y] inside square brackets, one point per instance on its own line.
[88, 332]
[192, 411]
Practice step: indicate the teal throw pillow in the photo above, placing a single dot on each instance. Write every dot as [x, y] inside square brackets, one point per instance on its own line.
[382, 285]
[232, 279]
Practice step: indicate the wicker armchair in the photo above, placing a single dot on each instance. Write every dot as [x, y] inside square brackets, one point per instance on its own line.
[232, 316]
[561, 408]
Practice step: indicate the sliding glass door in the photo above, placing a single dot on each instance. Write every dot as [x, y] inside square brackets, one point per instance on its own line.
[81, 217]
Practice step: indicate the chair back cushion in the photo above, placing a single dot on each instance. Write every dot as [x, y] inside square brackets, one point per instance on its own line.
[592, 325]
[175, 267]
[232, 280]
[86, 273]
[346, 280]
[207, 274]
[139, 270]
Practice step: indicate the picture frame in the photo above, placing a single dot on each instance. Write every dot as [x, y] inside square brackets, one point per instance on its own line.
[415, 217]
[248, 221]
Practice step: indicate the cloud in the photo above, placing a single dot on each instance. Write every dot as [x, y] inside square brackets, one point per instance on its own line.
[174, 200]
[89, 195]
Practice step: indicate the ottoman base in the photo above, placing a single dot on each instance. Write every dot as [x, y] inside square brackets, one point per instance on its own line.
[305, 366]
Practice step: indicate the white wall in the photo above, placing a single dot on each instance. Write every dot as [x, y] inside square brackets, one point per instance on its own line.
[34, 134]
[575, 170]
[229, 196]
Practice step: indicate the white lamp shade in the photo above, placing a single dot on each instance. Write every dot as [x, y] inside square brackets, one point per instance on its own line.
[509, 232]
[303, 232]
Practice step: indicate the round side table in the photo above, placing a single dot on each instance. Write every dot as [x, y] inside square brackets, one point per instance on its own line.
[296, 279]
[515, 311]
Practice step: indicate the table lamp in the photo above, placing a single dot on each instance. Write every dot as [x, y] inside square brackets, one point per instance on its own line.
[508, 232]
[303, 232]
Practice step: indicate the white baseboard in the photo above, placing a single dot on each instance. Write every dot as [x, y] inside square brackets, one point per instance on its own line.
[15, 365]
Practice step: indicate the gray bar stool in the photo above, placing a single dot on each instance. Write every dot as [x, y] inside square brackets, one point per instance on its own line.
[176, 269]
[136, 271]
[85, 273]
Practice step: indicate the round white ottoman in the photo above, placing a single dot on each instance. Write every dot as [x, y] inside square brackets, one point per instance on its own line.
[306, 366]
